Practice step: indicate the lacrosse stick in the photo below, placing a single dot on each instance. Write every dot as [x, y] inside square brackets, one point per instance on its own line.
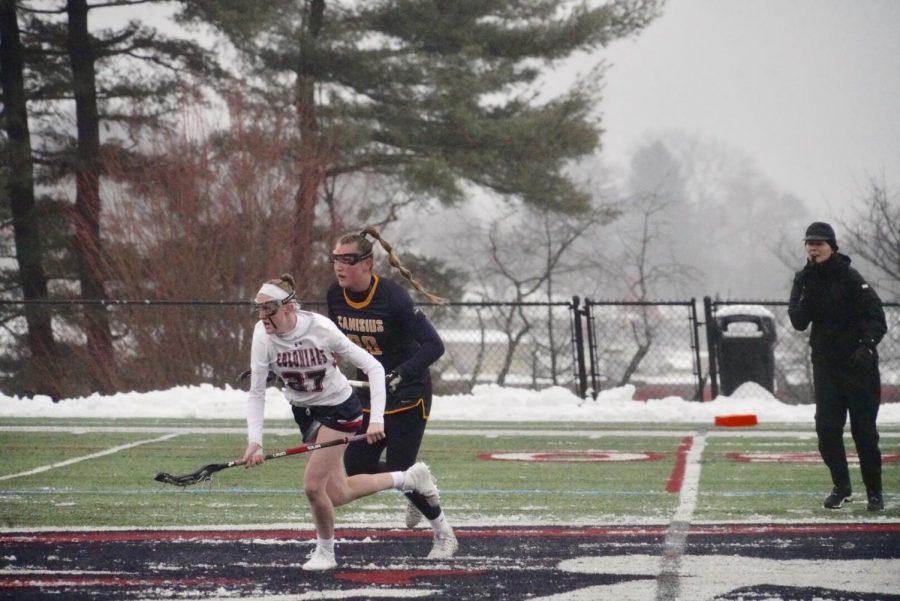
[205, 473]
[272, 378]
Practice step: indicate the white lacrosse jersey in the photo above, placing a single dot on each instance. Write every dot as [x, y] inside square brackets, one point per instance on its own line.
[306, 359]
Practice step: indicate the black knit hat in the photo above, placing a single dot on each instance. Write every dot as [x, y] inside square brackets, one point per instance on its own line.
[819, 230]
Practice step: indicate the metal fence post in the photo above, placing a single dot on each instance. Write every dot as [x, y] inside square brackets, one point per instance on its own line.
[578, 341]
[695, 346]
[592, 348]
[711, 334]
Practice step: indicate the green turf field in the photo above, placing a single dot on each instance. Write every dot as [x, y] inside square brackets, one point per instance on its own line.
[117, 489]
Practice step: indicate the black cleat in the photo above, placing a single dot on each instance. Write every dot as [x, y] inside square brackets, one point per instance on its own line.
[836, 499]
[876, 502]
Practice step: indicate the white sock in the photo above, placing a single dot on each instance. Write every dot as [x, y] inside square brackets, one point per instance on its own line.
[439, 524]
[325, 543]
[398, 480]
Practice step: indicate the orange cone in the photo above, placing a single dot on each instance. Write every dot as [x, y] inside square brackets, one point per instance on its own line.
[736, 421]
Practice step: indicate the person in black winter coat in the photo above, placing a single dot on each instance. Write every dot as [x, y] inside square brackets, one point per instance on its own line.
[847, 325]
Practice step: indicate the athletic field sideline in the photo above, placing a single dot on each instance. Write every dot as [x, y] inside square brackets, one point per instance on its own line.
[86, 473]
[576, 511]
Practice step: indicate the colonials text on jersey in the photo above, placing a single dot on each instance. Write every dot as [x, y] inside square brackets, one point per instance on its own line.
[303, 357]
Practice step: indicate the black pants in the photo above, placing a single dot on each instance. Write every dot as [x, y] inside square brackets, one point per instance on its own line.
[843, 389]
[403, 436]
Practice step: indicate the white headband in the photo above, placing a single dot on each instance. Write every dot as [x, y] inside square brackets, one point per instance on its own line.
[274, 291]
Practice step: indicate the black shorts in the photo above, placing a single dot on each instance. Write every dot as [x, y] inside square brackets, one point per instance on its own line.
[345, 417]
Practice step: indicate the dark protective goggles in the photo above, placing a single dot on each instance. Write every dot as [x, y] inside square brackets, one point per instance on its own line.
[270, 307]
[349, 258]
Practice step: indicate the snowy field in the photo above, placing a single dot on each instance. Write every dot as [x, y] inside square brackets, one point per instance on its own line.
[682, 519]
[486, 403]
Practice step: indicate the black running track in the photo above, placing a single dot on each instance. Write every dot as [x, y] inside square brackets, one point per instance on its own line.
[493, 563]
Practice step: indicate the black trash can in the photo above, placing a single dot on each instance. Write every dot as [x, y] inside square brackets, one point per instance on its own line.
[745, 348]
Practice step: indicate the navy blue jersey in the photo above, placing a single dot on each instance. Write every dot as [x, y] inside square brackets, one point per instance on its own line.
[384, 321]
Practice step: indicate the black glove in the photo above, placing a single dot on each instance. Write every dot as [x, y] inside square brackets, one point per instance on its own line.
[392, 380]
[271, 377]
[803, 276]
[863, 358]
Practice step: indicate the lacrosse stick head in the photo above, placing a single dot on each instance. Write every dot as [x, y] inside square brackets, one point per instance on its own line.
[202, 475]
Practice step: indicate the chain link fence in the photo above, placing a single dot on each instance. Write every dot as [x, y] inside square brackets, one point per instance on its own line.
[154, 345]
[656, 346]
[508, 344]
[162, 344]
[653, 346]
[526, 345]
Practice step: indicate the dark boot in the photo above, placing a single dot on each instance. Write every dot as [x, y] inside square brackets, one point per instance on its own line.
[837, 498]
[876, 501]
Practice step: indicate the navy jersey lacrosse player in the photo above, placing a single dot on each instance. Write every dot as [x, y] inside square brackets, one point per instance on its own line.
[379, 315]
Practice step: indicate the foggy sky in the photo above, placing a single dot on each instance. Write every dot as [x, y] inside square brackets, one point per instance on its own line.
[810, 90]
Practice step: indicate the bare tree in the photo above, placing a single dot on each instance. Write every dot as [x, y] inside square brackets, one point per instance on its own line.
[874, 233]
[788, 250]
[644, 270]
[528, 254]
[203, 221]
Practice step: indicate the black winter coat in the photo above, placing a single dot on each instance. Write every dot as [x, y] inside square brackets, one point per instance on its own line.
[844, 310]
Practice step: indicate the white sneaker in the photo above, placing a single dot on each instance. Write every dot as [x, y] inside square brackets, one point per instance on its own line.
[320, 560]
[445, 545]
[413, 515]
[418, 479]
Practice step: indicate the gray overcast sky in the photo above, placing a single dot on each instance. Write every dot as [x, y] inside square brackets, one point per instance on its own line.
[810, 90]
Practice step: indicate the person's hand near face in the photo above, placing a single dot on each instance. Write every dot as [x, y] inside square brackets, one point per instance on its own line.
[818, 251]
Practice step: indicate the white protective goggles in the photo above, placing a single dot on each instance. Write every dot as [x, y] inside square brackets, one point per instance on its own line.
[270, 307]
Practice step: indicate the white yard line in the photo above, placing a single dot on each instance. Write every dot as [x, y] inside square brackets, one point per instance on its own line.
[690, 487]
[668, 586]
[489, 432]
[109, 451]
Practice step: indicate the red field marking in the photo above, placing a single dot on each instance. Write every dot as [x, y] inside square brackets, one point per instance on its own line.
[569, 456]
[52, 581]
[676, 479]
[116, 536]
[803, 457]
[388, 534]
[379, 577]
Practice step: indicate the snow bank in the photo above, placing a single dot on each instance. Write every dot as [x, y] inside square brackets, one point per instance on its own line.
[486, 403]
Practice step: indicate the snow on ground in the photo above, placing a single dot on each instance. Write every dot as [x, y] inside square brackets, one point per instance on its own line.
[485, 403]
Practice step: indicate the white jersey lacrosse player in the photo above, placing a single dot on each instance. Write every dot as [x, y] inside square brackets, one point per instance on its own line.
[303, 348]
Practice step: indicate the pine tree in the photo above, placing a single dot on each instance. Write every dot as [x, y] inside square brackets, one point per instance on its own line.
[18, 195]
[123, 82]
[434, 96]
